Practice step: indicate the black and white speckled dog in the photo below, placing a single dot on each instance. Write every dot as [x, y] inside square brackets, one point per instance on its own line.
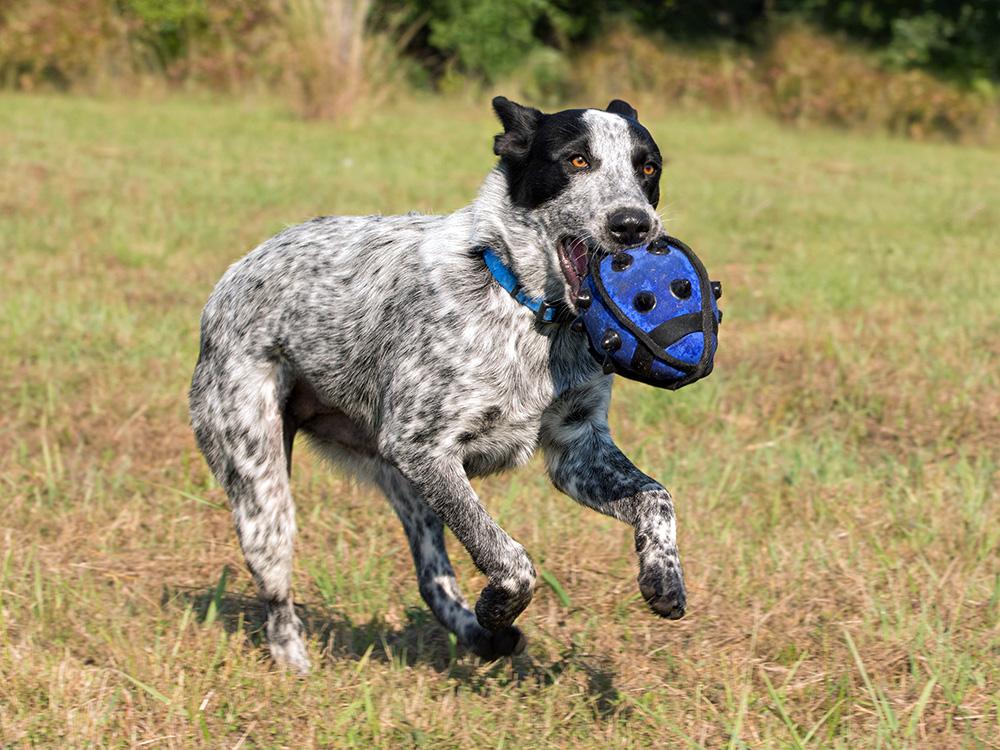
[387, 341]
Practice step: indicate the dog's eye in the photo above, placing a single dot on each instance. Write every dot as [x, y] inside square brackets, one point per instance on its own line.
[649, 169]
[579, 161]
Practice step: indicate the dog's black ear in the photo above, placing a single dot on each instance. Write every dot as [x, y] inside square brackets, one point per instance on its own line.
[519, 125]
[618, 107]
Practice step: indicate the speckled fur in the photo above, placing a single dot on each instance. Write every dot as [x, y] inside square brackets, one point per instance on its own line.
[388, 343]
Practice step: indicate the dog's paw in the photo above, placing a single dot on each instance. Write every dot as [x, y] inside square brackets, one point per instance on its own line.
[490, 646]
[664, 592]
[284, 637]
[497, 607]
[291, 654]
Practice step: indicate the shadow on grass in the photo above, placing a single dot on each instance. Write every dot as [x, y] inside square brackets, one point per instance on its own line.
[421, 640]
[605, 700]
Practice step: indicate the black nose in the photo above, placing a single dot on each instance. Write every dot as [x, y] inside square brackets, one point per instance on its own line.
[629, 226]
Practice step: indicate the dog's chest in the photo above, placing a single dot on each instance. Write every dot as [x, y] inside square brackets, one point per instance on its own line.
[490, 459]
[495, 439]
[501, 419]
[498, 435]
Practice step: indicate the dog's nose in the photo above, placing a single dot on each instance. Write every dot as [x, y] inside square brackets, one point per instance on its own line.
[629, 226]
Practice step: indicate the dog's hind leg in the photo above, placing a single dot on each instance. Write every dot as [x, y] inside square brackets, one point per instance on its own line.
[438, 586]
[237, 418]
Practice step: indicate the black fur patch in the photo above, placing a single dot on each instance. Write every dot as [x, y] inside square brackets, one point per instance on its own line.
[535, 150]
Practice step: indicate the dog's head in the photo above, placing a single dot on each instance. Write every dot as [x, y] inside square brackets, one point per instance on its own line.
[580, 178]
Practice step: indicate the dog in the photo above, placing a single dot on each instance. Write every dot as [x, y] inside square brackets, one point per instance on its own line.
[389, 343]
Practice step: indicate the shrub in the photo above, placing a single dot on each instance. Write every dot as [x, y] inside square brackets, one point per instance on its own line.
[813, 79]
[322, 54]
[222, 44]
[62, 43]
[326, 55]
[956, 38]
[71, 43]
[799, 76]
[545, 78]
[627, 62]
[487, 39]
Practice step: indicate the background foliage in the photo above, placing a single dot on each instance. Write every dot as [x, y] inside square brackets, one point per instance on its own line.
[917, 67]
[957, 39]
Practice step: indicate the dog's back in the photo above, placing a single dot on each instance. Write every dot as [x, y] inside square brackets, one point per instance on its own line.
[319, 301]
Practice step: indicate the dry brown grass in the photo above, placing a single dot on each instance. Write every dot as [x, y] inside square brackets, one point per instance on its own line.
[836, 477]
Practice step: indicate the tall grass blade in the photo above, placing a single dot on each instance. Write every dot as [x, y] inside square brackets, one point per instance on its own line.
[183, 493]
[823, 719]
[554, 584]
[782, 713]
[741, 712]
[39, 597]
[215, 605]
[881, 704]
[148, 689]
[918, 710]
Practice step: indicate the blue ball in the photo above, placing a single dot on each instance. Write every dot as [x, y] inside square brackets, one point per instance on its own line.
[652, 315]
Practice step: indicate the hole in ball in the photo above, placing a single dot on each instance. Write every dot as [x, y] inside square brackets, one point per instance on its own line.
[658, 246]
[681, 288]
[621, 261]
[644, 302]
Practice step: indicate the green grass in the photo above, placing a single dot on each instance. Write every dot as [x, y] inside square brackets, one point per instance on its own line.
[836, 478]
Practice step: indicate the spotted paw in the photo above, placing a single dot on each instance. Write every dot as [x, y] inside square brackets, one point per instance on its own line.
[664, 593]
[498, 607]
[490, 646]
[291, 654]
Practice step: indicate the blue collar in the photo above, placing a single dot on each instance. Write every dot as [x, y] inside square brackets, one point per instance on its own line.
[545, 312]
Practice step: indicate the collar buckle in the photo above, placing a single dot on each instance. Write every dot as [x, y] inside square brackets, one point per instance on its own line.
[547, 312]
[553, 312]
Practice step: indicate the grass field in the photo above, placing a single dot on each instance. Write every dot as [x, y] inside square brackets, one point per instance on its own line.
[836, 478]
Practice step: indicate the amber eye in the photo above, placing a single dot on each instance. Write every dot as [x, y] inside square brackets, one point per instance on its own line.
[649, 169]
[579, 162]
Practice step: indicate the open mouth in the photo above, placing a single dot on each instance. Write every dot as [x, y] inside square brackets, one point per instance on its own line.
[573, 258]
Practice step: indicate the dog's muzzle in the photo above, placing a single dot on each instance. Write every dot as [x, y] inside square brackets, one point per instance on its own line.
[650, 313]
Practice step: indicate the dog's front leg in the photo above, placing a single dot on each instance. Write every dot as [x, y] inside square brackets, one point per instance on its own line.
[445, 487]
[584, 462]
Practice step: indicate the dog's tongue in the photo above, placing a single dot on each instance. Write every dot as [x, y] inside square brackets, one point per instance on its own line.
[577, 254]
